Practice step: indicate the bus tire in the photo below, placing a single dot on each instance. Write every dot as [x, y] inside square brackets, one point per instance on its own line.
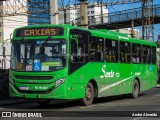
[135, 89]
[89, 95]
[44, 103]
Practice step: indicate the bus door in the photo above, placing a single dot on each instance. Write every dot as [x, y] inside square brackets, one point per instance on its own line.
[78, 56]
[77, 49]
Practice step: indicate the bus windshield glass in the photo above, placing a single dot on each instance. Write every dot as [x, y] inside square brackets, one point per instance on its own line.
[38, 55]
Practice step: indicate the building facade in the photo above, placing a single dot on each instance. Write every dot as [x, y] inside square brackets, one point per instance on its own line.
[7, 26]
[129, 32]
[73, 14]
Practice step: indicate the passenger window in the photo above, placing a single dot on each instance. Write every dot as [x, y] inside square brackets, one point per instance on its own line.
[96, 49]
[111, 50]
[153, 55]
[146, 57]
[124, 52]
[136, 53]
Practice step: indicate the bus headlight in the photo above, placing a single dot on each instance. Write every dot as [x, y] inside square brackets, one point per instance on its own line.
[59, 82]
[11, 81]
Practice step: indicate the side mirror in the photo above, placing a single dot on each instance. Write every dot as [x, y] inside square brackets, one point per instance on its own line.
[4, 51]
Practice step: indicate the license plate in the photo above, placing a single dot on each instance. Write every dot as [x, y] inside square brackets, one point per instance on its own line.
[24, 88]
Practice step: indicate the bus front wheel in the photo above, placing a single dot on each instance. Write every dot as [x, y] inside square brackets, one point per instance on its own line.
[135, 89]
[89, 95]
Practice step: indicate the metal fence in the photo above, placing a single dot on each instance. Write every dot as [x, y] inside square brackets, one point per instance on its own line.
[126, 15]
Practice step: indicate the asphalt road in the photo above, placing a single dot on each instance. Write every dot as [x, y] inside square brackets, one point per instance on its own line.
[117, 107]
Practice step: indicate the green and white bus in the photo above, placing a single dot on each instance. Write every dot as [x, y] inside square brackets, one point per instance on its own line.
[67, 62]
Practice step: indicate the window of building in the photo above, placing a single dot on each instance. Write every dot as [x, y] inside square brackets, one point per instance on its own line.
[92, 17]
[96, 49]
[92, 12]
[111, 50]
[125, 52]
[136, 53]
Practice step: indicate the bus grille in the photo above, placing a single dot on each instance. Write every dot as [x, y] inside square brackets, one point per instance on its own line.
[34, 77]
[35, 92]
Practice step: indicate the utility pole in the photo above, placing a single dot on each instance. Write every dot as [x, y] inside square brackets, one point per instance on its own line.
[101, 12]
[147, 20]
[65, 16]
[84, 13]
[132, 29]
[54, 12]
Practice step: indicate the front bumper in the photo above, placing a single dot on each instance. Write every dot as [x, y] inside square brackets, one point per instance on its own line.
[58, 93]
[62, 92]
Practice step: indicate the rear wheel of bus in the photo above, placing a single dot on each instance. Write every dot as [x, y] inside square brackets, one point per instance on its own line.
[135, 89]
[89, 95]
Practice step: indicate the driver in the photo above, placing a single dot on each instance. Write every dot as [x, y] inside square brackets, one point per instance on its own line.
[41, 55]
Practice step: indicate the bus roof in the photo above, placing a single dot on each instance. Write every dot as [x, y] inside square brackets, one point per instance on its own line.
[97, 32]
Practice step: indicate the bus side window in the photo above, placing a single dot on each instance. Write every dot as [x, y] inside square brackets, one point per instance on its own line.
[92, 48]
[96, 49]
[122, 52]
[125, 52]
[136, 53]
[100, 49]
[153, 55]
[144, 54]
[128, 52]
[148, 55]
[111, 51]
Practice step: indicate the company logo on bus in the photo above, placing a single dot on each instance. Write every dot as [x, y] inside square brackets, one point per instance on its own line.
[108, 74]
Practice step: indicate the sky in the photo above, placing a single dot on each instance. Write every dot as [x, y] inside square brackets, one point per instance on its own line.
[116, 8]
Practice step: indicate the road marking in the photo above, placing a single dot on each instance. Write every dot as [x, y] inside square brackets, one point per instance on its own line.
[157, 95]
[96, 105]
[138, 118]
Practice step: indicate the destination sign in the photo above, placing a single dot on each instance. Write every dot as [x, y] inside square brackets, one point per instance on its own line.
[39, 32]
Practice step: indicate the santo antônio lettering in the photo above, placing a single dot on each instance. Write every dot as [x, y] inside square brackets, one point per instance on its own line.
[40, 32]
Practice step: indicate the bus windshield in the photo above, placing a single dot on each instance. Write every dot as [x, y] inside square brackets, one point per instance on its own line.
[38, 55]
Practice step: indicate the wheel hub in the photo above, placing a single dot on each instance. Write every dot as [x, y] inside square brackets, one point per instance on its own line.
[88, 93]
